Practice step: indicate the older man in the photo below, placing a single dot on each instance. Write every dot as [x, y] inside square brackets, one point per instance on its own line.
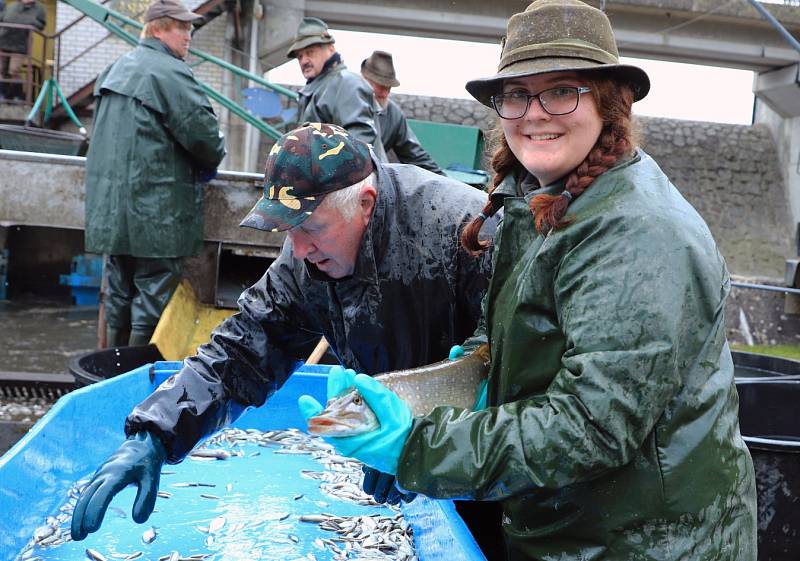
[155, 140]
[397, 136]
[371, 262]
[332, 93]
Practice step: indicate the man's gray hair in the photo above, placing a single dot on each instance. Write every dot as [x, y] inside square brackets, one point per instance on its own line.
[346, 200]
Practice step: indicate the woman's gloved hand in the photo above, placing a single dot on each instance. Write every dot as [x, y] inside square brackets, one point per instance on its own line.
[339, 381]
[382, 487]
[381, 447]
[137, 461]
[456, 352]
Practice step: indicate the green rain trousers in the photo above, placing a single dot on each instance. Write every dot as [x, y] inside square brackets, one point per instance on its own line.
[139, 289]
[612, 431]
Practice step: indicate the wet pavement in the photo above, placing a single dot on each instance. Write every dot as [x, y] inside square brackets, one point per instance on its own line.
[39, 335]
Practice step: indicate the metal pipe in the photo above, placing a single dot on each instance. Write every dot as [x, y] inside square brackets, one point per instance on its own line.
[767, 287]
[776, 24]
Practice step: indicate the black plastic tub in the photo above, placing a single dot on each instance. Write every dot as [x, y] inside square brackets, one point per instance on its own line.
[771, 429]
[752, 365]
[107, 363]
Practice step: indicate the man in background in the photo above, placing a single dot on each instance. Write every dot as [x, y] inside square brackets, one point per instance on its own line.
[378, 71]
[156, 139]
[332, 93]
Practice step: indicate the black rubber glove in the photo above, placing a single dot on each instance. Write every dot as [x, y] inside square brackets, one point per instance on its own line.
[382, 487]
[137, 461]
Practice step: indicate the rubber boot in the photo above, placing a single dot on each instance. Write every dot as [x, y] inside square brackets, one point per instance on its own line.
[116, 337]
[139, 337]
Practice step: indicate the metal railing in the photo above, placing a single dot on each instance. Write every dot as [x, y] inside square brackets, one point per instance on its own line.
[35, 69]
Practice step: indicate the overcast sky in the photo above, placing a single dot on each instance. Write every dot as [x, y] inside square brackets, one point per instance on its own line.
[441, 67]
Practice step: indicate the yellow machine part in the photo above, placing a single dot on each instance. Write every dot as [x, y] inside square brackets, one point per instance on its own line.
[186, 324]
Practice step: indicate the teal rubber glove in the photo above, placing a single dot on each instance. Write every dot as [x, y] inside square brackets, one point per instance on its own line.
[137, 461]
[380, 448]
[481, 395]
[456, 352]
[339, 381]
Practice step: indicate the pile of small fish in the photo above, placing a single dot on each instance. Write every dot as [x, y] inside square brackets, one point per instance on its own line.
[379, 538]
[23, 409]
[368, 537]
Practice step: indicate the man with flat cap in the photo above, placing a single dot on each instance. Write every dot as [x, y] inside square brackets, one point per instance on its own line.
[155, 140]
[332, 93]
[397, 136]
[371, 262]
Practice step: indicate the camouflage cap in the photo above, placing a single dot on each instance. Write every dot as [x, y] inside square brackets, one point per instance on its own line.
[303, 166]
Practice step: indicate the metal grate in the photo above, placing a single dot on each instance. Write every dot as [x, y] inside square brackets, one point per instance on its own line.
[32, 385]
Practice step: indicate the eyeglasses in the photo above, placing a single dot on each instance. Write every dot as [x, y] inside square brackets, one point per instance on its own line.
[555, 101]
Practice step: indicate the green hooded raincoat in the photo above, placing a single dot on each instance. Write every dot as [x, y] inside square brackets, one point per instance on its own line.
[154, 132]
[612, 431]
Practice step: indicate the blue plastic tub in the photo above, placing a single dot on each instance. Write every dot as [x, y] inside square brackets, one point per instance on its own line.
[85, 426]
[85, 279]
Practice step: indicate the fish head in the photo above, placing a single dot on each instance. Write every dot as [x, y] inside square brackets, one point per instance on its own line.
[344, 415]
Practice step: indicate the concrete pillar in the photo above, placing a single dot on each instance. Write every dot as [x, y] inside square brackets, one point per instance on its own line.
[778, 108]
[281, 18]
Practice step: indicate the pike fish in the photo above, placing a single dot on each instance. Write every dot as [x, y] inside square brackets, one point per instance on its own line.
[448, 382]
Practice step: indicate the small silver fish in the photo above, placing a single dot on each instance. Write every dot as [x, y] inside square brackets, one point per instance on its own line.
[149, 535]
[94, 555]
[448, 382]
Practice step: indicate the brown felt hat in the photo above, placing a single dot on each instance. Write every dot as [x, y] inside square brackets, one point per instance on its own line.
[169, 9]
[559, 35]
[311, 31]
[379, 68]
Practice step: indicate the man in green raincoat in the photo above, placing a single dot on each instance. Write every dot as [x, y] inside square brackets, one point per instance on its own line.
[155, 140]
[332, 93]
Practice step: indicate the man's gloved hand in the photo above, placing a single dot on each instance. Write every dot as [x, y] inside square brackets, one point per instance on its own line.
[138, 460]
[383, 488]
[456, 352]
[204, 175]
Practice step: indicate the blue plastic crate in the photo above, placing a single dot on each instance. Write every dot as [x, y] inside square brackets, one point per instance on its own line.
[86, 425]
[85, 279]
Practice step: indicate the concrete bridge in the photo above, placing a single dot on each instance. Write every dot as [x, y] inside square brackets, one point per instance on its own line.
[715, 32]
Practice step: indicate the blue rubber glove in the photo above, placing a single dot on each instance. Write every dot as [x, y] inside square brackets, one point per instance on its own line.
[382, 487]
[380, 448]
[456, 352]
[204, 175]
[339, 381]
[137, 461]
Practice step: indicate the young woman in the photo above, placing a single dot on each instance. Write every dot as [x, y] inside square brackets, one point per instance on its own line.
[611, 431]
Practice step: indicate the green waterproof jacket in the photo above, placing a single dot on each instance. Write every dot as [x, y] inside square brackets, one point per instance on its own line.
[154, 133]
[16, 40]
[343, 98]
[612, 431]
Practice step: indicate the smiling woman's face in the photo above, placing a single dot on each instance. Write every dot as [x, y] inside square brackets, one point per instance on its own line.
[551, 146]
